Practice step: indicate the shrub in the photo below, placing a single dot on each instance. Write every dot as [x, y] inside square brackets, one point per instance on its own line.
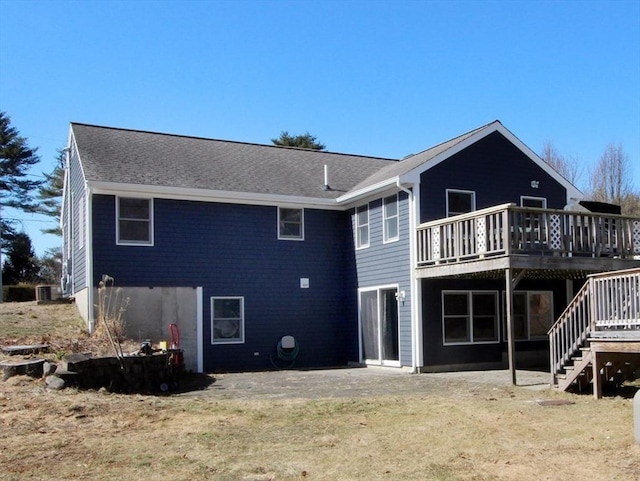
[19, 293]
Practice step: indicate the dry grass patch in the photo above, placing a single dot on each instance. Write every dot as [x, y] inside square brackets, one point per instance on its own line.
[56, 324]
[28, 322]
[499, 434]
[459, 432]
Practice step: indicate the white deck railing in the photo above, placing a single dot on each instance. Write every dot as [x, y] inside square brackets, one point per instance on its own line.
[617, 299]
[609, 300]
[508, 229]
[570, 331]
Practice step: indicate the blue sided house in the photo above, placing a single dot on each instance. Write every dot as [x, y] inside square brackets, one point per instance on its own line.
[459, 257]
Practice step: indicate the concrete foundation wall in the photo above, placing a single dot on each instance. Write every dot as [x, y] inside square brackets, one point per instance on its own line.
[151, 310]
[82, 303]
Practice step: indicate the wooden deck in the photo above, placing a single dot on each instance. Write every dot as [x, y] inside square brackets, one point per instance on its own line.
[508, 236]
[511, 242]
[613, 360]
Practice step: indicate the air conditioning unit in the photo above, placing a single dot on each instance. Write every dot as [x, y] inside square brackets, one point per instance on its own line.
[47, 293]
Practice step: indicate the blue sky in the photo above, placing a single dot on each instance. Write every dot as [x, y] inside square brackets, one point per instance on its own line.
[381, 78]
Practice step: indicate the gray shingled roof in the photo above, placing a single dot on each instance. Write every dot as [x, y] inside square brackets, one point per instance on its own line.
[156, 159]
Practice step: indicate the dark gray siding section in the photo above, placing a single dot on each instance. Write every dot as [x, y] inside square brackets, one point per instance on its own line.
[436, 353]
[233, 250]
[383, 264]
[496, 170]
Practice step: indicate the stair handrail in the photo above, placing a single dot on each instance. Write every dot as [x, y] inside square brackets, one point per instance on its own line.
[570, 332]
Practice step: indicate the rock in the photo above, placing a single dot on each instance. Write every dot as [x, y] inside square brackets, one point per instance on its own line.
[54, 382]
[75, 361]
[70, 378]
[48, 368]
[25, 350]
[30, 367]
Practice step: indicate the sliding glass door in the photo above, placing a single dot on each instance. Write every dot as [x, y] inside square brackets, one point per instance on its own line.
[379, 333]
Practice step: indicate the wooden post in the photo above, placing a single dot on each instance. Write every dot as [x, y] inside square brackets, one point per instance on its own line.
[511, 349]
[597, 380]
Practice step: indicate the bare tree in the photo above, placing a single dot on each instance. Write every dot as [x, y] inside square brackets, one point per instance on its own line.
[610, 179]
[568, 167]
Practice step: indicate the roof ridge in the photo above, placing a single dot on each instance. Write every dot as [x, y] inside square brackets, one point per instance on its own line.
[194, 137]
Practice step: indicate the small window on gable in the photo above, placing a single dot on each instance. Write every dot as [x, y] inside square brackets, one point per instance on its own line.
[460, 202]
[537, 202]
[227, 320]
[532, 220]
[135, 221]
[362, 226]
[390, 214]
[290, 224]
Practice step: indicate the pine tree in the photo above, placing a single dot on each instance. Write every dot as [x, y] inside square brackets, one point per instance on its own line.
[50, 195]
[16, 157]
[21, 264]
[304, 141]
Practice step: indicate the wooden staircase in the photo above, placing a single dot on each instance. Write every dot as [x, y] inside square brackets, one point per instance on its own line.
[596, 340]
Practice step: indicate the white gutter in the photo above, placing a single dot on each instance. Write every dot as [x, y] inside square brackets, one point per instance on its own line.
[368, 191]
[205, 195]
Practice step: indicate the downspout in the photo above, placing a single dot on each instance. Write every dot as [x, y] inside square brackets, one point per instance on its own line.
[67, 252]
[413, 289]
[89, 255]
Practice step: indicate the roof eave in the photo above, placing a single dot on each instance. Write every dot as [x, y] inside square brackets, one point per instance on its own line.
[206, 195]
[368, 191]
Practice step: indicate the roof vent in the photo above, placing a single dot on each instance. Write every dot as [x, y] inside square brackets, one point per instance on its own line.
[326, 178]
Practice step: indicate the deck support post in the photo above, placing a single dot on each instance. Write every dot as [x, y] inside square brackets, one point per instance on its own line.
[511, 348]
[597, 380]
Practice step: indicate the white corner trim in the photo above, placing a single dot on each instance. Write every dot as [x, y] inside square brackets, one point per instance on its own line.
[199, 330]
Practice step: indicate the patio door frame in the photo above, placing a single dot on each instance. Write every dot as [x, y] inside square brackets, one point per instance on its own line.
[379, 303]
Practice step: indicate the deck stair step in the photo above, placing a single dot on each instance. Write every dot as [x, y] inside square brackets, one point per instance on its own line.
[573, 372]
[602, 318]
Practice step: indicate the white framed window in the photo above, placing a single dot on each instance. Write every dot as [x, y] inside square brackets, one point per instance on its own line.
[135, 221]
[532, 315]
[460, 202]
[531, 221]
[469, 317]
[290, 224]
[391, 231]
[362, 226]
[537, 202]
[227, 320]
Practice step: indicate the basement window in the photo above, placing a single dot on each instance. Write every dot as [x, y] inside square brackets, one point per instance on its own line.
[532, 315]
[469, 317]
[227, 320]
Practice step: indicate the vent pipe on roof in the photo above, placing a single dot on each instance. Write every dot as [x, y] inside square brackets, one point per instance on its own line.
[326, 178]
